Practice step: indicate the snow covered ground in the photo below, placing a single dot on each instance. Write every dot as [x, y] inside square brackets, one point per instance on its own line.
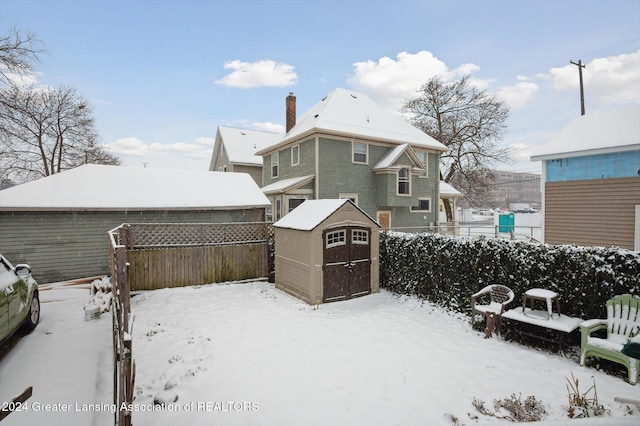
[248, 354]
[66, 359]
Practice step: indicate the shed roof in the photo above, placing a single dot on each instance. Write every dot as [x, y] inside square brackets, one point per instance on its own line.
[351, 114]
[311, 213]
[99, 187]
[596, 133]
[241, 144]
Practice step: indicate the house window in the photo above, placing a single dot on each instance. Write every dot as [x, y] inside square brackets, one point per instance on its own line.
[404, 182]
[359, 236]
[277, 207]
[295, 155]
[275, 161]
[360, 152]
[294, 202]
[424, 205]
[336, 238]
[422, 156]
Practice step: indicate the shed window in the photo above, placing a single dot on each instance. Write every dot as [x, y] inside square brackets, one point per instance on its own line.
[360, 153]
[359, 236]
[336, 238]
[404, 186]
[275, 161]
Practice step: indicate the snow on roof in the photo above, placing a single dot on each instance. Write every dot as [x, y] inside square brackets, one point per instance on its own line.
[99, 187]
[388, 160]
[596, 133]
[241, 144]
[349, 113]
[448, 190]
[311, 213]
[286, 184]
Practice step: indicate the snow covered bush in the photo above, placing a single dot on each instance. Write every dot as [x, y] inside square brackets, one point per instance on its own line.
[448, 270]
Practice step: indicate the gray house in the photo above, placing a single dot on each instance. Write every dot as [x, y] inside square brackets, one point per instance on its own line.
[59, 224]
[346, 146]
[235, 151]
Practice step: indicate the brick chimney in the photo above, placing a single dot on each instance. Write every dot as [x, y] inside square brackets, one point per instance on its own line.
[291, 111]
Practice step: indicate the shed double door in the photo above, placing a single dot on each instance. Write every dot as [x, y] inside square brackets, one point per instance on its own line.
[346, 263]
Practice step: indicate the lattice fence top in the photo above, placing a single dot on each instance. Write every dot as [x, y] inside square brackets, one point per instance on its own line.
[147, 235]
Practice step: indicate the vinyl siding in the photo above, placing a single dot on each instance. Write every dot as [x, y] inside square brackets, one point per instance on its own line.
[74, 244]
[592, 212]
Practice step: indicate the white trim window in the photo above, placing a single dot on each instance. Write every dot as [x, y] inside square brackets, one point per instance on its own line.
[360, 153]
[404, 181]
[424, 205]
[359, 236]
[295, 155]
[277, 209]
[295, 201]
[424, 160]
[275, 162]
[336, 238]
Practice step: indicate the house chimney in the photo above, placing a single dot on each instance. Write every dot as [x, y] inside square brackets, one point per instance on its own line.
[291, 111]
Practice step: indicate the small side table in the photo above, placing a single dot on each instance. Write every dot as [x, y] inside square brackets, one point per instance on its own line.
[543, 295]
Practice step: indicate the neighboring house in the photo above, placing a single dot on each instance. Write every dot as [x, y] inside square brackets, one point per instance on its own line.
[591, 181]
[346, 146]
[59, 224]
[448, 192]
[234, 151]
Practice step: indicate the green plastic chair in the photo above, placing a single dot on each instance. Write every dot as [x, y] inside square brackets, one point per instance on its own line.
[622, 325]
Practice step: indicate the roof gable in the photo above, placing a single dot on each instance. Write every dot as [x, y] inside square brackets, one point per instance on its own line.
[351, 114]
[311, 213]
[241, 144]
[99, 187]
[596, 133]
[394, 155]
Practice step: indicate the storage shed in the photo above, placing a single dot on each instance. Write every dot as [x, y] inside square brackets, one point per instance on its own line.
[327, 250]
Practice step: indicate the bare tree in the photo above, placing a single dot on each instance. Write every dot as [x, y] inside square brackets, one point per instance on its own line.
[470, 122]
[44, 131]
[18, 52]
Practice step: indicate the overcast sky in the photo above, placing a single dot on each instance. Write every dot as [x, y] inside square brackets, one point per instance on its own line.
[163, 75]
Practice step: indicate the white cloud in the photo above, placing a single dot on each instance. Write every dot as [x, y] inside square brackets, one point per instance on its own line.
[22, 80]
[519, 94]
[203, 140]
[610, 80]
[264, 73]
[134, 147]
[267, 126]
[392, 81]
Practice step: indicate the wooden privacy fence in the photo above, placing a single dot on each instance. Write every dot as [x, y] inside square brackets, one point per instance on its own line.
[123, 363]
[176, 255]
[151, 256]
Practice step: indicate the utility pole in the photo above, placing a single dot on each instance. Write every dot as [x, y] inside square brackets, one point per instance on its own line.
[580, 66]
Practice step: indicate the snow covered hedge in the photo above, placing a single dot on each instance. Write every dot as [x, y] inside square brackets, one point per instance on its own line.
[448, 270]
